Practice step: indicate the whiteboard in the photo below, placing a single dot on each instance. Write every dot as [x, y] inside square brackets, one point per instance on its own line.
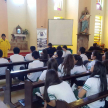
[60, 31]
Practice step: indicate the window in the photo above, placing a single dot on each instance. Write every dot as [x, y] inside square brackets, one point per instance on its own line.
[58, 4]
[99, 4]
[98, 29]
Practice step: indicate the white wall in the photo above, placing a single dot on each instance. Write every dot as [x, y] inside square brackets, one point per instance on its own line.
[52, 12]
[106, 24]
[32, 22]
[16, 16]
[72, 7]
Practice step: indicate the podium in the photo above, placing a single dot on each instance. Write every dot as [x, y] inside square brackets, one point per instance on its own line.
[19, 40]
[82, 41]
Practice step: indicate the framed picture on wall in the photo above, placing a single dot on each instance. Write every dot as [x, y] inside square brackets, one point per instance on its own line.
[18, 30]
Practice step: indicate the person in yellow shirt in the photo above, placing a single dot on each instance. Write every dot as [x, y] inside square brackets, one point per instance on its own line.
[4, 45]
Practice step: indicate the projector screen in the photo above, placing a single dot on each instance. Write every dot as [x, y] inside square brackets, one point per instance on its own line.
[60, 32]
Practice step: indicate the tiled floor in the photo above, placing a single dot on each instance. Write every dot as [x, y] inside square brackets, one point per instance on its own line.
[15, 96]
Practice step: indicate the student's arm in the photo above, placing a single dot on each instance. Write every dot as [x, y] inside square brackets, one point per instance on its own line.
[81, 93]
[85, 88]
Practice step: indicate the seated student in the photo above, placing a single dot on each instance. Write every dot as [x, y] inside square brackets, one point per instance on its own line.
[35, 64]
[67, 65]
[16, 58]
[50, 50]
[105, 56]
[95, 84]
[65, 51]
[59, 48]
[82, 53]
[44, 55]
[29, 57]
[59, 57]
[55, 89]
[94, 47]
[2, 60]
[52, 64]
[95, 56]
[79, 68]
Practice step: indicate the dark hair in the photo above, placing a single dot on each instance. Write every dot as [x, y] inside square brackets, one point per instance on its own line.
[16, 50]
[97, 54]
[35, 54]
[82, 50]
[52, 64]
[79, 60]
[59, 53]
[94, 44]
[99, 69]
[3, 35]
[106, 65]
[51, 79]
[65, 47]
[32, 48]
[1, 53]
[50, 45]
[45, 54]
[59, 48]
[68, 64]
[106, 55]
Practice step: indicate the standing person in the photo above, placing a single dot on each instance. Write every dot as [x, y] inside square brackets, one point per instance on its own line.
[82, 53]
[2, 60]
[35, 64]
[4, 45]
[65, 51]
[50, 50]
[29, 57]
[55, 89]
[95, 84]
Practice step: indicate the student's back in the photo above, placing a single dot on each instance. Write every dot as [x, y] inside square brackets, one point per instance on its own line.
[2, 60]
[29, 57]
[16, 58]
[35, 64]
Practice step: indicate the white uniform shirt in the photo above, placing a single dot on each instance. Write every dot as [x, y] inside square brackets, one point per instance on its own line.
[3, 69]
[78, 70]
[17, 58]
[61, 91]
[92, 86]
[65, 53]
[36, 75]
[89, 65]
[84, 57]
[29, 57]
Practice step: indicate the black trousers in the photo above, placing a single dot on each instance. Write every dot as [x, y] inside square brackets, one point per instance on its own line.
[48, 106]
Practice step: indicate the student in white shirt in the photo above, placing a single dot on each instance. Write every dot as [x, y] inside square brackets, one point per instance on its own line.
[65, 51]
[35, 64]
[79, 68]
[52, 64]
[95, 84]
[81, 52]
[2, 60]
[55, 89]
[29, 57]
[16, 58]
[105, 56]
[95, 56]
[67, 65]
